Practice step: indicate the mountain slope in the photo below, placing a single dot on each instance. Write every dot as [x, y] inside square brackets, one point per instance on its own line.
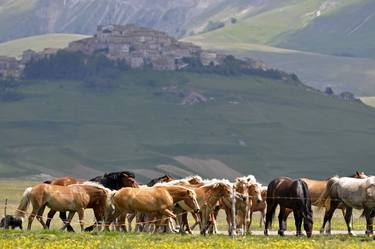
[309, 25]
[249, 125]
[348, 32]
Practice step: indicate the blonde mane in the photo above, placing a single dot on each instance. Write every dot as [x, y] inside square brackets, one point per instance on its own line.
[94, 184]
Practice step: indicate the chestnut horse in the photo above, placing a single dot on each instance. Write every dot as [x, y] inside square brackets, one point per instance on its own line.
[292, 194]
[61, 181]
[158, 199]
[73, 198]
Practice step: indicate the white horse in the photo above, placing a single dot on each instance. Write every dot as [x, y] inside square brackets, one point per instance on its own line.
[354, 193]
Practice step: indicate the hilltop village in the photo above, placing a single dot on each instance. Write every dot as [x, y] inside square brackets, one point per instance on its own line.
[137, 46]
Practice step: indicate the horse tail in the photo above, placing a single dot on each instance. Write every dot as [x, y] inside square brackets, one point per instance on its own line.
[24, 204]
[307, 211]
[110, 197]
[326, 195]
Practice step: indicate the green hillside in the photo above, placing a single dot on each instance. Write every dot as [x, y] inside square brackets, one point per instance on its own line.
[38, 43]
[248, 125]
[318, 70]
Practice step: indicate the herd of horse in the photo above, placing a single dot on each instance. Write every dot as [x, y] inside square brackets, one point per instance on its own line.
[164, 203]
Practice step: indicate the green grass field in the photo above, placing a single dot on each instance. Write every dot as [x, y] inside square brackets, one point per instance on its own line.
[253, 125]
[15, 48]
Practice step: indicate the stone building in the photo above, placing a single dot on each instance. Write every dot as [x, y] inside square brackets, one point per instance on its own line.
[9, 67]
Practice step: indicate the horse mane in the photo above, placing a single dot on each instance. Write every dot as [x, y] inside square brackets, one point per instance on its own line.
[96, 185]
[215, 182]
[246, 179]
[183, 180]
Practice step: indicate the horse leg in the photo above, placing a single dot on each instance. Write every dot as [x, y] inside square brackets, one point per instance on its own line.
[81, 216]
[281, 221]
[248, 225]
[348, 218]
[328, 215]
[50, 215]
[70, 217]
[130, 219]
[271, 208]
[39, 216]
[298, 222]
[69, 228]
[369, 221]
[31, 218]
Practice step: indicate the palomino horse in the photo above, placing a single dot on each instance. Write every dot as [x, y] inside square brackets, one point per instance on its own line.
[208, 195]
[259, 207]
[316, 187]
[73, 198]
[181, 209]
[247, 192]
[354, 193]
[293, 194]
[61, 181]
[158, 199]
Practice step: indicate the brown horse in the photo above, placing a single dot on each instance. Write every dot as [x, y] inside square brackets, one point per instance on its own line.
[158, 199]
[61, 181]
[292, 194]
[73, 198]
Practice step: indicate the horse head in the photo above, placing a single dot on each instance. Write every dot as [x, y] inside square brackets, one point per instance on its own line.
[192, 201]
[166, 178]
[360, 175]
[255, 191]
[128, 181]
[194, 180]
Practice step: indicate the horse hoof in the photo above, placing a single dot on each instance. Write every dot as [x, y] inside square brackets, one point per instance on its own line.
[352, 234]
[281, 233]
[266, 232]
[321, 231]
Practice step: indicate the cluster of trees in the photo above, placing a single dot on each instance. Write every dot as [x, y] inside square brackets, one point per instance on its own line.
[94, 70]
[233, 66]
[99, 72]
[8, 90]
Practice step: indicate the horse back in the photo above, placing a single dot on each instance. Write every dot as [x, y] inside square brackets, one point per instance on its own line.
[316, 187]
[147, 199]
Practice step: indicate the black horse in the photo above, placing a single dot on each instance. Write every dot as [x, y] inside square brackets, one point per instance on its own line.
[164, 178]
[292, 194]
[114, 180]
